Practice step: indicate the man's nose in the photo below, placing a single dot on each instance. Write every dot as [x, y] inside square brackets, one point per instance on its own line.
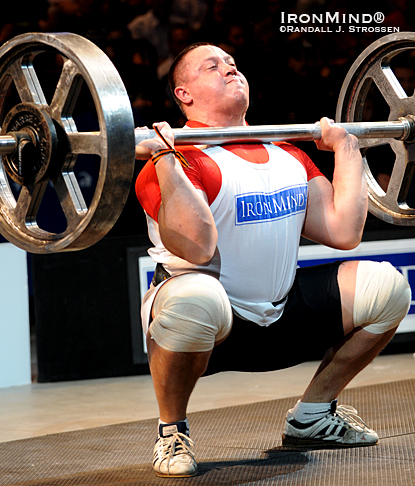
[228, 69]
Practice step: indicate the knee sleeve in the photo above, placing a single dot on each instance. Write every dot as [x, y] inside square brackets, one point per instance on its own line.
[191, 312]
[382, 297]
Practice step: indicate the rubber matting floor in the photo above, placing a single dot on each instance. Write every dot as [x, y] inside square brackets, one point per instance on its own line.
[238, 445]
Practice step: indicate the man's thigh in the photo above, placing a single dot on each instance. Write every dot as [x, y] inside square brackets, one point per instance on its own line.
[347, 286]
[311, 323]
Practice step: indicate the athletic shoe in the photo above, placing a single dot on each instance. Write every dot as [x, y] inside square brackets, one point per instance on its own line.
[173, 456]
[341, 427]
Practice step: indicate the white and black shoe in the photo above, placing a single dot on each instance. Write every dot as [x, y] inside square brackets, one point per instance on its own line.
[173, 456]
[341, 427]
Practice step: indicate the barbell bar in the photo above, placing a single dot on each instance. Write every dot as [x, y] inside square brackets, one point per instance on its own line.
[8, 144]
[403, 129]
[40, 141]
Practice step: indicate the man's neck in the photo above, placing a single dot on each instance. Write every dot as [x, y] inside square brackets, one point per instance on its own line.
[218, 120]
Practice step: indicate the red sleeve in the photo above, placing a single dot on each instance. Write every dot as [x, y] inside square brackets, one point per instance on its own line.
[203, 173]
[308, 164]
[147, 190]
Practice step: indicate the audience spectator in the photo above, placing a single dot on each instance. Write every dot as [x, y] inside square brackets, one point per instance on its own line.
[401, 15]
[191, 12]
[219, 14]
[84, 17]
[153, 26]
[26, 16]
[142, 84]
[179, 37]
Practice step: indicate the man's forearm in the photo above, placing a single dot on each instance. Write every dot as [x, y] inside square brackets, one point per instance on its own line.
[350, 189]
[186, 224]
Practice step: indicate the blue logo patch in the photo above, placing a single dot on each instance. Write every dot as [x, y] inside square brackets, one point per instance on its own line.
[260, 207]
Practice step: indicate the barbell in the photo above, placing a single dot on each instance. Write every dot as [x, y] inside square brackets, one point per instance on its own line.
[41, 142]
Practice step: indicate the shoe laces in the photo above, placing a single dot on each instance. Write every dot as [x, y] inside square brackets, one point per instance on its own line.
[174, 444]
[349, 415]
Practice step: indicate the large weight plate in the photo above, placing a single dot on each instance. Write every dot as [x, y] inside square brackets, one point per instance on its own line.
[83, 66]
[373, 66]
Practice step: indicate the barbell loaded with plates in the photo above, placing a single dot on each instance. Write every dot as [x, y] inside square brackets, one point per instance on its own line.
[41, 139]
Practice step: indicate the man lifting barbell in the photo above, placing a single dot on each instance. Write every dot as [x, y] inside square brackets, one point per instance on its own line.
[225, 226]
[226, 223]
[40, 141]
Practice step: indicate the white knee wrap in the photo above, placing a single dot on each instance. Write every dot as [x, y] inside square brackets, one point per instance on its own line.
[382, 297]
[191, 312]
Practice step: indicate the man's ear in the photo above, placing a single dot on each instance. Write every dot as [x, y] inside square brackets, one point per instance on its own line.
[183, 95]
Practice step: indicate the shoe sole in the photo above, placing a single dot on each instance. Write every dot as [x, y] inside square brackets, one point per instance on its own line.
[162, 475]
[296, 443]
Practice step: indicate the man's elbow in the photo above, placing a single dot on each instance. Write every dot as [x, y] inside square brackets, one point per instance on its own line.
[198, 251]
[346, 246]
[200, 254]
[349, 241]
[199, 258]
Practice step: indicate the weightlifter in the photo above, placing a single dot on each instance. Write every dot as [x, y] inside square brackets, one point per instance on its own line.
[226, 222]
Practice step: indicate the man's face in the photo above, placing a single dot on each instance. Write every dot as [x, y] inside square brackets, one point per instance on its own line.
[213, 82]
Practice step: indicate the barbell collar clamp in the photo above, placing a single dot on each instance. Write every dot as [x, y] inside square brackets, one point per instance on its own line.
[13, 141]
[409, 129]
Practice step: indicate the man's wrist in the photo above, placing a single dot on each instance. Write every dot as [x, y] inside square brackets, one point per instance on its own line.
[348, 143]
[160, 146]
[157, 155]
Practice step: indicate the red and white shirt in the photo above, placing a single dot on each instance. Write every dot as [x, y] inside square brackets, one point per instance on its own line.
[258, 197]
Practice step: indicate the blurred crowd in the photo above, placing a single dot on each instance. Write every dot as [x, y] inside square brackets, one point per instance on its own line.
[295, 77]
